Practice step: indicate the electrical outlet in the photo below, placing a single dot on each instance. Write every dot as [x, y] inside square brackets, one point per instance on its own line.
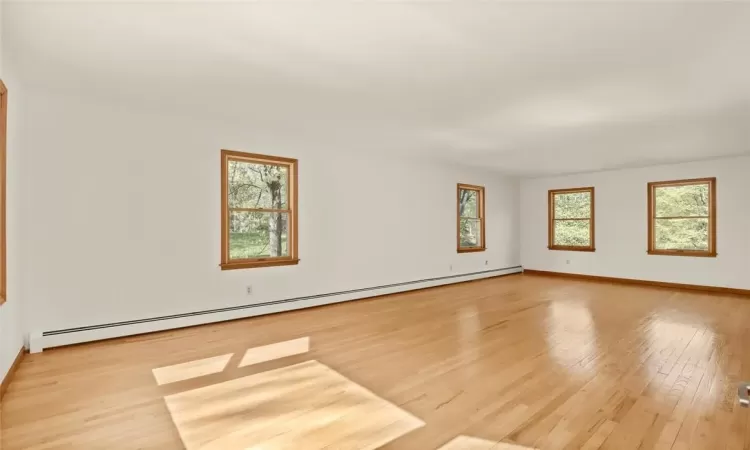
[250, 290]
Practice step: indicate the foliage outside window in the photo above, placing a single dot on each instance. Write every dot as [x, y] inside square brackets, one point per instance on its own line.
[471, 236]
[3, 142]
[682, 217]
[259, 210]
[571, 219]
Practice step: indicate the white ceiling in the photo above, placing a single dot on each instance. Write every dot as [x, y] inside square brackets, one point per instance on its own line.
[527, 88]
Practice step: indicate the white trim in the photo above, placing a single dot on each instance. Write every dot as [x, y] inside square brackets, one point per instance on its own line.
[38, 342]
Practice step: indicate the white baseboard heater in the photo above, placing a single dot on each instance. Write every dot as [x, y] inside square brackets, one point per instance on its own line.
[38, 341]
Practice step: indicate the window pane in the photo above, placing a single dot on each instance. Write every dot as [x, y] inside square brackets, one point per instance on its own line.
[468, 203]
[471, 233]
[572, 233]
[258, 234]
[253, 185]
[576, 205]
[681, 234]
[680, 201]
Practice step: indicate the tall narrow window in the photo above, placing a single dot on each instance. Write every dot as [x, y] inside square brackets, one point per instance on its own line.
[470, 218]
[571, 219]
[259, 210]
[3, 184]
[682, 217]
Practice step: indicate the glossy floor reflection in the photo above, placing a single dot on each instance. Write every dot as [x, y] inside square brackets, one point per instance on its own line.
[571, 335]
[536, 362]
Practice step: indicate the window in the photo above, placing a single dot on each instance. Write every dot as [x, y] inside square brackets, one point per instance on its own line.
[571, 219]
[470, 220]
[3, 142]
[259, 210]
[682, 217]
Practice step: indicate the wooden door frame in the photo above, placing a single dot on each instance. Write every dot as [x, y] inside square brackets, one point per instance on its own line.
[3, 190]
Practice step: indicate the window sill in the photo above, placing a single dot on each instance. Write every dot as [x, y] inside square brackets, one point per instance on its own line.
[259, 263]
[571, 248]
[470, 250]
[683, 253]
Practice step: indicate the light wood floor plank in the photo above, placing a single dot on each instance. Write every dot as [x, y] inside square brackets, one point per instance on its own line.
[521, 362]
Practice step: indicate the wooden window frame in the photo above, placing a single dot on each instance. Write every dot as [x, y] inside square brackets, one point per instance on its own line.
[551, 220]
[292, 203]
[3, 191]
[480, 191]
[711, 252]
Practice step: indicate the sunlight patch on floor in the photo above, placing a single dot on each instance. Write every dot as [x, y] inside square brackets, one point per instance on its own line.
[304, 406]
[472, 443]
[191, 369]
[217, 364]
[279, 350]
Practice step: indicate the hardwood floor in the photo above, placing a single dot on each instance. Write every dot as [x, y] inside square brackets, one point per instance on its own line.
[509, 363]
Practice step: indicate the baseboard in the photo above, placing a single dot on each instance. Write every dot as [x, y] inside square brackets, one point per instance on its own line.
[661, 284]
[11, 371]
[38, 341]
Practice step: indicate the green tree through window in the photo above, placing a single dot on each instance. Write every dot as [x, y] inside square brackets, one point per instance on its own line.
[259, 210]
[470, 218]
[682, 217]
[571, 219]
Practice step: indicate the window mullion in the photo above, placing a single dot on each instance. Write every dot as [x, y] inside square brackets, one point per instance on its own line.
[682, 217]
[269, 210]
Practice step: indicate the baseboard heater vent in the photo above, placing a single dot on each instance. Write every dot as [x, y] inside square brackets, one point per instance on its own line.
[55, 338]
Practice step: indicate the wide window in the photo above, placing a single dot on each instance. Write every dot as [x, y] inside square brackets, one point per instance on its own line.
[3, 184]
[470, 218]
[259, 210]
[571, 219]
[682, 217]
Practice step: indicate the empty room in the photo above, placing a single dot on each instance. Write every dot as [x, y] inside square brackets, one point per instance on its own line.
[360, 225]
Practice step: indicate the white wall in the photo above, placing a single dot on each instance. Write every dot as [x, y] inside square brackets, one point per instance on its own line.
[621, 226]
[122, 216]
